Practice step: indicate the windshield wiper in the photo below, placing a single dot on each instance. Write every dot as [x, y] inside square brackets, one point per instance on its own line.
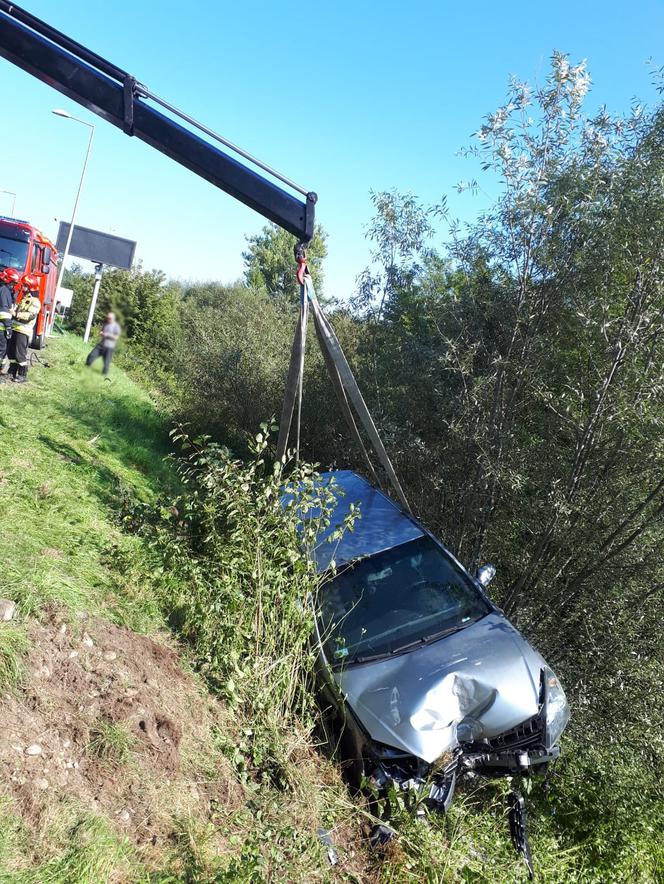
[434, 636]
[408, 646]
[367, 658]
[362, 658]
[401, 649]
[424, 640]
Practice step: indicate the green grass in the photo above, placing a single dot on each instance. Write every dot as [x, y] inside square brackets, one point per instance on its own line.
[111, 743]
[13, 645]
[90, 853]
[71, 447]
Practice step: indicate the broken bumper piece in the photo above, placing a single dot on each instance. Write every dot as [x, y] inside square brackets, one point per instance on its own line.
[432, 785]
[520, 750]
[506, 763]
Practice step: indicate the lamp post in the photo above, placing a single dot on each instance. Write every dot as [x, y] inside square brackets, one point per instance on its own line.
[12, 194]
[99, 269]
[63, 113]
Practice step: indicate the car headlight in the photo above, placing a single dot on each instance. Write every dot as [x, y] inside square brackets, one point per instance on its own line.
[556, 707]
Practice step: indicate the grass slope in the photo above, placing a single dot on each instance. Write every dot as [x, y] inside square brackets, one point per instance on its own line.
[71, 445]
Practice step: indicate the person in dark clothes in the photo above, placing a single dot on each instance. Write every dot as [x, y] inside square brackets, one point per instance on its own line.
[110, 333]
[8, 281]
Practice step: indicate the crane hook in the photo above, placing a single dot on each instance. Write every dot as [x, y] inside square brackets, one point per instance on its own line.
[300, 252]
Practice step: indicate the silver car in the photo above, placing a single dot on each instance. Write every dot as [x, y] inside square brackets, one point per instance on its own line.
[422, 676]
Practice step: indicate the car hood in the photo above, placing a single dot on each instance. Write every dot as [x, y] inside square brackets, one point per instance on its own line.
[474, 684]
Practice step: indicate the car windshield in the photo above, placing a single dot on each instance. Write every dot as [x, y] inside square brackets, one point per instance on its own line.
[394, 601]
[13, 253]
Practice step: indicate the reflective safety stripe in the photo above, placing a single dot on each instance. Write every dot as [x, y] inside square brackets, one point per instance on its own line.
[4, 314]
[20, 343]
[26, 315]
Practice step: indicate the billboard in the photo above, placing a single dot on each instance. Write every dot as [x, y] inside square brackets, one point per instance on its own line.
[93, 245]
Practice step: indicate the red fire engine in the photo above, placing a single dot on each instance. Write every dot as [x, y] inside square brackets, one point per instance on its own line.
[26, 249]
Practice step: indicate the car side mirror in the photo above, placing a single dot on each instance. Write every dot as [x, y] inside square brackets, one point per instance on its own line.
[485, 574]
[47, 258]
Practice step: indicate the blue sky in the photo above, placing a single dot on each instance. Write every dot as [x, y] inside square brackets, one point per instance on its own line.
[342, 97]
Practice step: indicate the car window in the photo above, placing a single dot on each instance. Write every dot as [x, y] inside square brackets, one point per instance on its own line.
[410, 593]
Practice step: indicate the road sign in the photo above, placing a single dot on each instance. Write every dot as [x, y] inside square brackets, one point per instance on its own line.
[98, 247]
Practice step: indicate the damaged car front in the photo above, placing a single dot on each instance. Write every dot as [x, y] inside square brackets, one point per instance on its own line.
[426, 677]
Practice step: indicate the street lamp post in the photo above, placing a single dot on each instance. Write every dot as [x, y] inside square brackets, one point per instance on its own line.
[63, 113]
[12, 194]
[99, 269]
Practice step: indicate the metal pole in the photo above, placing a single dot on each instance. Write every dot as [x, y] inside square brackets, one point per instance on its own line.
[13, 196]
[234, 147]
[99, 269]
[78, 196]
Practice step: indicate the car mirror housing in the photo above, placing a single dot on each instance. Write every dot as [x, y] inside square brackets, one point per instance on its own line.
[485, 574]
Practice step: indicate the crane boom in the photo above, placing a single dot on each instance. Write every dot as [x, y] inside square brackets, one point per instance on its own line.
[115, 95]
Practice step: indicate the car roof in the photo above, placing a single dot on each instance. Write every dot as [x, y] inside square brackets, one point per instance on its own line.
[382, 523]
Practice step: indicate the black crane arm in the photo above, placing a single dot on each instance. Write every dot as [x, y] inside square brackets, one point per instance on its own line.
[115, 95]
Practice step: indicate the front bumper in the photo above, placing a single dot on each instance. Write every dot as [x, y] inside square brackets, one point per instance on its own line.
[432, 785]
[521, 750]
[508, 763]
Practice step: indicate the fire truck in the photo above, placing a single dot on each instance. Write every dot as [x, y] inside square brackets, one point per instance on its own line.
[26, 249]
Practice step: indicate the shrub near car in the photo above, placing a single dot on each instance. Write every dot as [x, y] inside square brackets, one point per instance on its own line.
[423, 676]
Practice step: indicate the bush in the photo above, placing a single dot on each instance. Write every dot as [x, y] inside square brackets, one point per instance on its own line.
[234, 584]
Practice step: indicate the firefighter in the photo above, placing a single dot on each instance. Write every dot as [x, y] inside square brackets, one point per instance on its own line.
[8, 280]
[24, 318]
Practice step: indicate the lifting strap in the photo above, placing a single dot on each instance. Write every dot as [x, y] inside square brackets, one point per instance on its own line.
[294, 381]
[343, 381]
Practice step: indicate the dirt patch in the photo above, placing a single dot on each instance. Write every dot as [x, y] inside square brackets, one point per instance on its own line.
[51, 552]
[107, 723]
[90, 681]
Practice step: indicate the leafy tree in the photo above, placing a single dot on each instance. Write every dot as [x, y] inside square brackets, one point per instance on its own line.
[270, 266]
[148, 309]
[398, 231]
[209, 294]
[233, 359]
[576, 370]
[81, 283]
